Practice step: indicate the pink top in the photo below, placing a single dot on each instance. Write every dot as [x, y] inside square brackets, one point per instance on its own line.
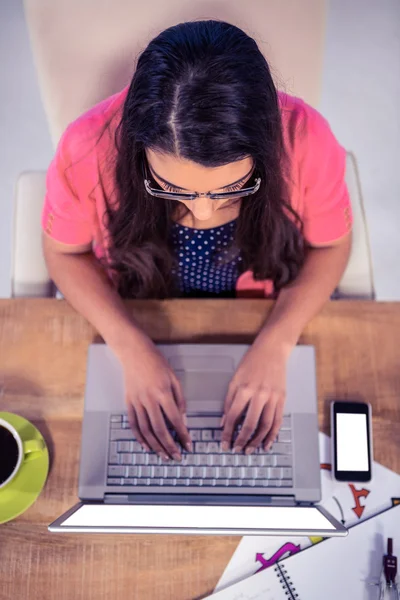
[80, 178]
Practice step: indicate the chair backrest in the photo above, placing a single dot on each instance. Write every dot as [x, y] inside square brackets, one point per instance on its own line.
[30, 276]
[86, 51]
[357, 280]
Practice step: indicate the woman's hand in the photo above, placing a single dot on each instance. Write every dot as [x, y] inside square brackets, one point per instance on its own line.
[259, 389]
[153, 392]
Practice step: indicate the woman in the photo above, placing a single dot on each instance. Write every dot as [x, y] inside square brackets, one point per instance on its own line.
[199, 179]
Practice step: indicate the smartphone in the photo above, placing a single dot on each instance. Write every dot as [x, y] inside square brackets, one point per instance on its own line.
[351, 438]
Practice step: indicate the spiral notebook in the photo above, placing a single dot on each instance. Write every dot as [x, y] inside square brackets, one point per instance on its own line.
[334, 568]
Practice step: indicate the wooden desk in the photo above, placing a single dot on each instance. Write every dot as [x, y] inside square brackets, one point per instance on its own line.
[43, 345]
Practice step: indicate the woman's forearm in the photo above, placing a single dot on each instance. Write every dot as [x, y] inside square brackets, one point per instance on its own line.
[84, 283]
[300, 301]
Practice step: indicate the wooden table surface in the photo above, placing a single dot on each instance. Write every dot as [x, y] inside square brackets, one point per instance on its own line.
[43, 345]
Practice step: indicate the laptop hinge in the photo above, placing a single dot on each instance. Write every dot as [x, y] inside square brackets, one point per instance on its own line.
[197, 499]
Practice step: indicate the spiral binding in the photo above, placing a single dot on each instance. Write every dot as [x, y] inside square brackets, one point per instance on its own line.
[286, 581]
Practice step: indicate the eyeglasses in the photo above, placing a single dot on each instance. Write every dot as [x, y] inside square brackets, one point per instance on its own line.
[153, 188]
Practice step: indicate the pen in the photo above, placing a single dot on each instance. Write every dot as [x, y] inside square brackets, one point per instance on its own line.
[390, 565]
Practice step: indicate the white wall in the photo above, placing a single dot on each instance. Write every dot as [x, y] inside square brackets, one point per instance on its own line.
[360, 92]
[361, 99]
[24, 137]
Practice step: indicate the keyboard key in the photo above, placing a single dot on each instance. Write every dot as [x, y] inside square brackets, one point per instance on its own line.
[268, 460]
[196, 482]
[184, 482]
[114, 471]
[285, 436]
[136, 447]
[249, 472]
[140, 459]
[236, 472]
[195, 435]
[272, 482]
[274, 473]
[155, 481]
[281, 448]
[255, 460]
[115, 425]
[217, 435]
[283, 461]
[288, 483]
[168, 481]
[228, 460]
[145, 471]
[186, 471]
[208, 482]
[188, 460]
[210, 472]
[213, 447]
[158, 471]
[113, 481]
[133, 471]
[116, 419]
[202, 460]
[215, 460]
[125, 425]
[286, 473]
[124, 446]
[242, 460]
[197, 472]
[113, 454]
[286, 422]
[235, 482]
[126, 459]
[128, 481]
[262, 472]
[121, 434]
[221, 482]
[152, 459]
[248, 483]
[172, 471]
[207, 435]
[200, 447]
[142, 481]
[223, 472]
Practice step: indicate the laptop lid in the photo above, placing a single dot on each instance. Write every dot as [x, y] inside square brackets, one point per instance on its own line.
[194, 519]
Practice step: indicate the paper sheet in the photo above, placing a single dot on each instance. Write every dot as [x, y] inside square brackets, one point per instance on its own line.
[349, 503]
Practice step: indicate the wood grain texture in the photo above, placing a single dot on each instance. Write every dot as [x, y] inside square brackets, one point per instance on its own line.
[43, 346]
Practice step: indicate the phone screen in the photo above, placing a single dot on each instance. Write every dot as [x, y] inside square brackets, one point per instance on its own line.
[352, 441]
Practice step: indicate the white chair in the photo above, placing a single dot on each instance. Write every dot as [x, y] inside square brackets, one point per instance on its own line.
[30, 276]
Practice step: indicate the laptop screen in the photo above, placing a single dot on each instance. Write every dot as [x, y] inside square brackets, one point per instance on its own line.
[286, 518]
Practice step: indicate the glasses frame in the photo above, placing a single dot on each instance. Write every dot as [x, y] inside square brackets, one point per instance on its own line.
[160, 193]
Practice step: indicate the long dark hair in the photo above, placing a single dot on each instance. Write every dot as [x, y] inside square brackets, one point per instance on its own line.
[202, 91]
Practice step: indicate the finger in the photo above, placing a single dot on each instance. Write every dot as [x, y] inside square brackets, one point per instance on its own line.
[147, 433]
[133, 422]
[239, 404]
[264, 426]
[228, 401]
[274, 430]
[178, 394]
[250, 423]
[176, 420]
[160, 429]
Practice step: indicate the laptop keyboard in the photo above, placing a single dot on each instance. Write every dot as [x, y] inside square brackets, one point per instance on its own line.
[207, 466]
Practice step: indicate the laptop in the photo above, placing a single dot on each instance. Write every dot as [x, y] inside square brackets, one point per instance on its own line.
[124, 489]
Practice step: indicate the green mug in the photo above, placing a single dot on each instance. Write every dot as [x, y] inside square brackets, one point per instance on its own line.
[14, 452]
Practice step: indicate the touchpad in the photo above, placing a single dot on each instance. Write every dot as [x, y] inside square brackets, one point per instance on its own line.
[205, 380]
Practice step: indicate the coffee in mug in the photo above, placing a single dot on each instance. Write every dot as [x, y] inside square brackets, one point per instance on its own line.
[9, 453]
[14, 452]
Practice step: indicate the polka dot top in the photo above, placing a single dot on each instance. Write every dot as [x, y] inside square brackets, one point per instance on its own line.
[204, 268]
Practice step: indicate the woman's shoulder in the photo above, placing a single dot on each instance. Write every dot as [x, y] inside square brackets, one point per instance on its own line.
[93, 131]
[304, 127]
